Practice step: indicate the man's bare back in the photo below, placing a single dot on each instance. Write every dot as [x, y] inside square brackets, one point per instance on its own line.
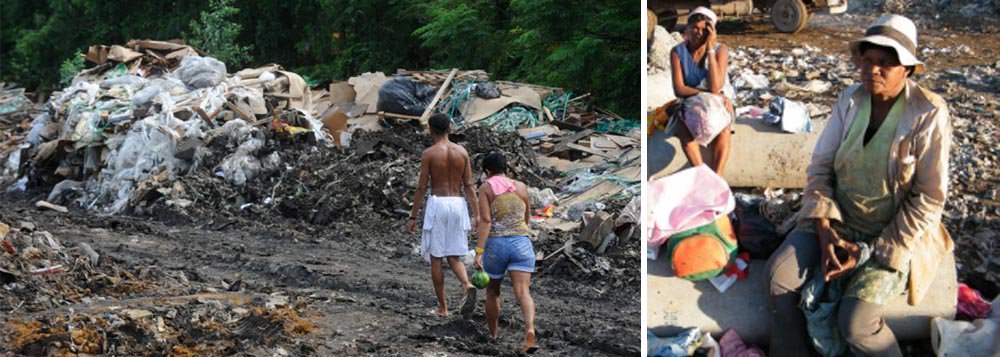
[447, 163]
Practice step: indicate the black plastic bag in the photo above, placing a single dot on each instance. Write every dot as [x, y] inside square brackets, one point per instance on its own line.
[401, 95]
[756, 234]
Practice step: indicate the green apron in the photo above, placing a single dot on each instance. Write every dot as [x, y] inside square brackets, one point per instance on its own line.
[864, 196]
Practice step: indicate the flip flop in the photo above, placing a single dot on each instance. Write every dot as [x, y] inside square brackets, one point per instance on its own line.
[469, 301]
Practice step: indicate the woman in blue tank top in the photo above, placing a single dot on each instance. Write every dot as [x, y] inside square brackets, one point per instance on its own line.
[699, 66]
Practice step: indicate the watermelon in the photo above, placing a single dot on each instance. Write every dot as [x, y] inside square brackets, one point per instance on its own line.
[480, 279]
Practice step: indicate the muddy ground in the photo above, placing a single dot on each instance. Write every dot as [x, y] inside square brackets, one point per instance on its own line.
[330, 243]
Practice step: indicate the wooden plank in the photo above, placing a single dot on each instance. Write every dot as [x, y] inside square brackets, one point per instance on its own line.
[548, 114]
[544, 129]
[399, 116]
[623, 141]
[561, 165]
[589, 151]
[567, 126]
[604, 188]
[204, 116]
[569, 140]
[534, 86]
[437, 97]
[239, 112]
[603, 142]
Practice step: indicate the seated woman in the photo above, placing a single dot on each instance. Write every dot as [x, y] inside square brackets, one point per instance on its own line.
[503, 246]
[870, 226]
[699, 72]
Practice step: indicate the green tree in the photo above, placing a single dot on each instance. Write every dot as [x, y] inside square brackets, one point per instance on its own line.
[589, 46]
[69, 68]
[469, 34]
[216, 33]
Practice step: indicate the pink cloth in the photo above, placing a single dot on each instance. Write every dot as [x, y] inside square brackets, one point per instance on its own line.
[971, 305]
[732, 346]
[501, 185]
[686, 199]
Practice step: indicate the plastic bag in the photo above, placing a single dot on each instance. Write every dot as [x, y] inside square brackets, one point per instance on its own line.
[756, 234]
[487, 90]
[963, 338]
[705, 115]
[819, 303]
[793, 116]
[542, 198]
[682, 345]
[148, 147]
[242, 165]
[401, 95]
[144, 97]
[201, 72]
[132, 81]
[749, 80]
[971, 305]
[37, 124]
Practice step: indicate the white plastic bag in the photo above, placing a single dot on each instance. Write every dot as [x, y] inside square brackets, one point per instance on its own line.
[201, 72]
[705, 115]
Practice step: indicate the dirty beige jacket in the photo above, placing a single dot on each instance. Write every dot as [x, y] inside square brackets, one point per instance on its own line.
[918, 176]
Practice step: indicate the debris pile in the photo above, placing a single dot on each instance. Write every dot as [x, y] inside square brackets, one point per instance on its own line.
[158, 129]
[206, 324]
[38, 273]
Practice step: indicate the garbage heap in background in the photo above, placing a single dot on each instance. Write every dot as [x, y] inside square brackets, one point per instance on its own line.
[157, 128]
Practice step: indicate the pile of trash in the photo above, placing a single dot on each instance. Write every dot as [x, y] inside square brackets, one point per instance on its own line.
[157, 129]
[786, 88]
[38, 273]
[207, 324]
[605, 253]
[694, 342]
[930, 9]
[972, 213]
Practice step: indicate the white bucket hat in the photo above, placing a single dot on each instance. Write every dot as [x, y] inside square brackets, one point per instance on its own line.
[706, 12]
[896, 32]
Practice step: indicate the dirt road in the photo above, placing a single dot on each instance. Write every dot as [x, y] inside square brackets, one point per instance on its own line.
[356, 278]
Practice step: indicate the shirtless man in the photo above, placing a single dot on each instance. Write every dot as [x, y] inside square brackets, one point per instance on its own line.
[446, 219]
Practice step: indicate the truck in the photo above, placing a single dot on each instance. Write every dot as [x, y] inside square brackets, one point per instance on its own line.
[789, 16]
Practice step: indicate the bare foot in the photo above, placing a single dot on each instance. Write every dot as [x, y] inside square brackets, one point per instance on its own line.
[438, 313]
[529, 345]
[468, 301]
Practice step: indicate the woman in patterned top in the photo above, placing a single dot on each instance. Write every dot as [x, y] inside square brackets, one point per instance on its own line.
[503, 241]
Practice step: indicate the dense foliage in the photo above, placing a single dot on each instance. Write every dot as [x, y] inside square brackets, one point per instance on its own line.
[586, 46]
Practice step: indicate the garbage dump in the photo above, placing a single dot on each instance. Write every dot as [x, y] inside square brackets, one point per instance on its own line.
[810, 69]
[203, 180]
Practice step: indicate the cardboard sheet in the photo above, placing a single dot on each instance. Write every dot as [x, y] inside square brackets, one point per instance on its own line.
[480, 108]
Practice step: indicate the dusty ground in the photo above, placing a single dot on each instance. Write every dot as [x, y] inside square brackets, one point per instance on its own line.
[341, 258]
[962, 57]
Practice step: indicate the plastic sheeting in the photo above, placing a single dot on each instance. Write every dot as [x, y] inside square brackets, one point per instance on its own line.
[201, 72]
[244, 164]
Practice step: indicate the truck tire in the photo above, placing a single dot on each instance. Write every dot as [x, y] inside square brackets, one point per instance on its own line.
[789, 16]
